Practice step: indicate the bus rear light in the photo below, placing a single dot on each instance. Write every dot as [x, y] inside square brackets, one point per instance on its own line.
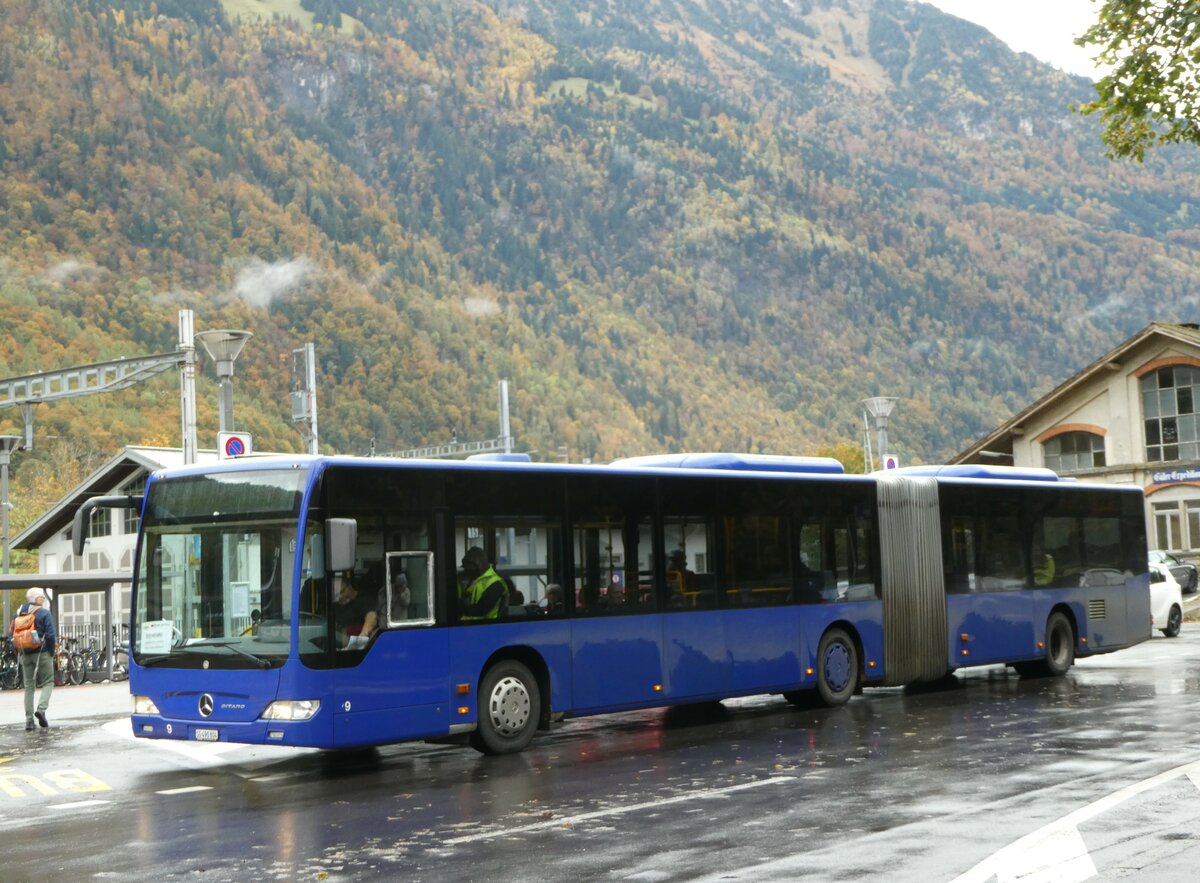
[292, 710]
[462, 709]
[143, 705]
[964, 637]
[658, 688]
[464, 689]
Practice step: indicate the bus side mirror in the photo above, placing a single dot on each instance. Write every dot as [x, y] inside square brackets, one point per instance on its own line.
[82, 521]
[341, 538]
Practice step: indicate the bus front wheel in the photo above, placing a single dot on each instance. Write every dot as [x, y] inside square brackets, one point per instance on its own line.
[509, 709]
[837, 668]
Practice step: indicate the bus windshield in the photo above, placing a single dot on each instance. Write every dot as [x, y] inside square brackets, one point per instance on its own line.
[215, 570]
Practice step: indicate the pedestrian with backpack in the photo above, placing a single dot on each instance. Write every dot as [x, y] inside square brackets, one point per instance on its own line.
[33, 634]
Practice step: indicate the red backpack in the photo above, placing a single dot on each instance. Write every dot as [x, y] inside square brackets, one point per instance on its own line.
[24, 631]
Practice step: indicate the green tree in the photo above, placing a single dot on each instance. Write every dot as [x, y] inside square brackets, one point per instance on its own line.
[1151, 95]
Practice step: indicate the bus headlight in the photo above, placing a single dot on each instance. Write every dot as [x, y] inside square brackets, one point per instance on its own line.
[143, 705]
[292, 710]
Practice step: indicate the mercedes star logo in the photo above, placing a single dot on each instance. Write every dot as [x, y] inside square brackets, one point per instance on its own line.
[206, 705]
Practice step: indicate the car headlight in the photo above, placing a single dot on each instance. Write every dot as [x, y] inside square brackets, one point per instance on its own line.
[292, 710]
[143, 705]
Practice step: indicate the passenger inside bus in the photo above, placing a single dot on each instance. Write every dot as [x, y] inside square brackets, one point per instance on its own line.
[680, 581]
[589, 598]
[552, 604]
[401, 599]
[353, 614]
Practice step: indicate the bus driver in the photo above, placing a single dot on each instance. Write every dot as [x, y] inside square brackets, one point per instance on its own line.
[353, 614]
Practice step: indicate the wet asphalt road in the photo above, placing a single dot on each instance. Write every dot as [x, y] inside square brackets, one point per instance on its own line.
[990, 777]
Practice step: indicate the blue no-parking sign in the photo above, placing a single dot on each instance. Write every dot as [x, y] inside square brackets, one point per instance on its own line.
[233, 444]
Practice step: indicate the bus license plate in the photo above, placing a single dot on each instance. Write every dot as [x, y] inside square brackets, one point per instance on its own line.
[206, 735]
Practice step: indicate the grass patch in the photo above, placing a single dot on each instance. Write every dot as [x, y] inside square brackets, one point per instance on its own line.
[577, 87]
[268, 9]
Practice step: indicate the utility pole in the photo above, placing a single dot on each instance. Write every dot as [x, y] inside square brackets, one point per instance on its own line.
[304, 397]
[187, 387]
[880, 407]
[8, 444]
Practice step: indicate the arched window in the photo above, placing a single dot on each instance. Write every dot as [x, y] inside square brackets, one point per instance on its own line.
[1170, 397]
[1072, 451]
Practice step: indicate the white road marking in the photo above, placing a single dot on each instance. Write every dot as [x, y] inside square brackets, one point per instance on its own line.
[187, 790]
[564, 821]
[78, 804]
[1056, 852]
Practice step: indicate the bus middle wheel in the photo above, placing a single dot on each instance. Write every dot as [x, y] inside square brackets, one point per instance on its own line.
[510, 706]
[837, 667]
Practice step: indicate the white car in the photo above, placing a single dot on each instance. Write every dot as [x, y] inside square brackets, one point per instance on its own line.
[1166, 601]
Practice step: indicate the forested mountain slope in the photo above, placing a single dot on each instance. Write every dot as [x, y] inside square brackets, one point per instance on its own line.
[670, 224]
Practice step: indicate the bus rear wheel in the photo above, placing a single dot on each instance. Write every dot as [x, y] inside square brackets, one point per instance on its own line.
[1059, 653]
[837, 668]
[510, 706]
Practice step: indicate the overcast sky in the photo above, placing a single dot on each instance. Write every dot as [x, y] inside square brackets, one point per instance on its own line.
[1046, 29]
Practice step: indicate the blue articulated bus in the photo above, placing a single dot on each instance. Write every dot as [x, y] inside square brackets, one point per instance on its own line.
[338, 602]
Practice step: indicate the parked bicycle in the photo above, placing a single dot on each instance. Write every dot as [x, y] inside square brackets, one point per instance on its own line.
[10, 667]
[96, 660]
[69, 664]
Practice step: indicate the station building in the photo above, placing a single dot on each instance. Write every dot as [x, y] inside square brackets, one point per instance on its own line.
[1130, 417]
[93, 588]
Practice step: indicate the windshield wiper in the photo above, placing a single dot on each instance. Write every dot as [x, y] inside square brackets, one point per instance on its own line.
[260, 662]
[153, 660]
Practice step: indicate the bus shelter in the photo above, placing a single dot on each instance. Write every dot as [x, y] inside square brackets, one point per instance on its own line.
[60, 584]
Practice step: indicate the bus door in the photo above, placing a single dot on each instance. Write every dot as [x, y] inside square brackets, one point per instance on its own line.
[394, 686]
[617, 630]
[694, 628]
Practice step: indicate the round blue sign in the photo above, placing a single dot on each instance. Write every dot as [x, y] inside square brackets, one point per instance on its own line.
[234, 447]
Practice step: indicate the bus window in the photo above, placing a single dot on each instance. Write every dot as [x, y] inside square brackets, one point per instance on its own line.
[1001, 555]
[407, 596]
[958, 553]
[755, 570]
[816, 570]
[1102, 543]
[1058, 538]
[604, 549]
[688, 545]
[612, 546]
[861, 584]
[521, 552]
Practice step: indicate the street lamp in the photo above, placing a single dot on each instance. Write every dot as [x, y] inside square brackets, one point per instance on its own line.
[223, 348]
[8, 444]
[880, 407]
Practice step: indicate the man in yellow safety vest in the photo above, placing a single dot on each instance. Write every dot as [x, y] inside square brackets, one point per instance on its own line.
[484, 594]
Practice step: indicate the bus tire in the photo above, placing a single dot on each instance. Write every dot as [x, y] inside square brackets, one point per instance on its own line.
[837, 668]
[1060, 645]
[1174, 622]
[510, 706]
